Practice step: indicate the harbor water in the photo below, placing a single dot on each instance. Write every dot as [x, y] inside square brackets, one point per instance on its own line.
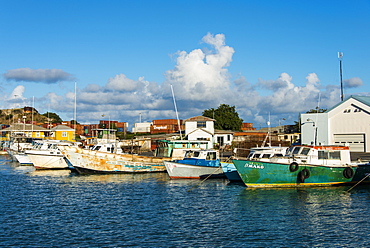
[64, 209]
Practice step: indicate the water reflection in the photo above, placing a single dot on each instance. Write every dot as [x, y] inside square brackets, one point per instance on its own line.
[121, 178]
[50, 173]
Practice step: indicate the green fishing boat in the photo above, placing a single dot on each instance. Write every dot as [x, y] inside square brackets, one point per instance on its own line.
[304, 166]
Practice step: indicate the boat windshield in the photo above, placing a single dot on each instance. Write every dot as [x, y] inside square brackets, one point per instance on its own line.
[296, 150]
[251, 155]
[211, 156]
[192, 154]
[305, 151]
[265, 155]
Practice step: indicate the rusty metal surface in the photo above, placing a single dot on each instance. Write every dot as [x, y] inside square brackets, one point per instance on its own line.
[111, 162]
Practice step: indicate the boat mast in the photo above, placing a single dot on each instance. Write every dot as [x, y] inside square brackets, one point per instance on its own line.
[177, 115]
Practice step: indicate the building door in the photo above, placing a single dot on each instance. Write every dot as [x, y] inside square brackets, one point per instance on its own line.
[220, 140]
[356, 142]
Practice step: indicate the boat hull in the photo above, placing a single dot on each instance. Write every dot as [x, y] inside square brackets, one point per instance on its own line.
[94, 162]
[268, 174]
[48, 162]
[230, 171]
[179, 170]
[23, 159]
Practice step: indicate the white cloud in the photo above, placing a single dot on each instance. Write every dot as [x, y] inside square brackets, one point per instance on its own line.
[352, 82]
[200, 80]
[17, 93]
[200, 76]
[48, 76]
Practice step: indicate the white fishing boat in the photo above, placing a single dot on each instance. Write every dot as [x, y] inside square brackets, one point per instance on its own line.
[16, 148]
[195, 165]
[47, 155]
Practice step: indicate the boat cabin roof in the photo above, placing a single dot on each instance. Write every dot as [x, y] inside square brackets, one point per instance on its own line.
[202, 154]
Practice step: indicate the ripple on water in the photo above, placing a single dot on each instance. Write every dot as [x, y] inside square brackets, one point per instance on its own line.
[60, 208]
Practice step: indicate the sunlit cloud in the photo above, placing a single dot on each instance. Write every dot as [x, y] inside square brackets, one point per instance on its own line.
[200, 80]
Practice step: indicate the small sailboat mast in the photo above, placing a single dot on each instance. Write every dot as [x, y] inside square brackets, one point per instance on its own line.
[177, 115]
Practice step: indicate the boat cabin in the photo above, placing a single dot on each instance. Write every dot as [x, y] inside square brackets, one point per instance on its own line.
[202, 154]
[319, 155]
[265, 153]
[108, 147]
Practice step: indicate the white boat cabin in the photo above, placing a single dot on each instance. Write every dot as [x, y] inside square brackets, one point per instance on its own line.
[265, 153]
[108, 147]
[316, 155]
[202, 154]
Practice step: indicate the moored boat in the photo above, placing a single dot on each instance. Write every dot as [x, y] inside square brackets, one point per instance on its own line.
[303, 166]
[263, 153]
[90, 161]
[45, 155]
[196, 164]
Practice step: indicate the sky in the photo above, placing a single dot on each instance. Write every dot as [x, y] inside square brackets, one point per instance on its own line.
[121, 60]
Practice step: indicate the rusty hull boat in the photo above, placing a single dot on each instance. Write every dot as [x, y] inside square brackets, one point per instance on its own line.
[97, 162]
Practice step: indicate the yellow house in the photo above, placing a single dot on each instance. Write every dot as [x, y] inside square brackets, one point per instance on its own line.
[24, 130]
[62, 132]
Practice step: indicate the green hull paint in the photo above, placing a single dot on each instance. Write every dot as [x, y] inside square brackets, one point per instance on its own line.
[265, 174]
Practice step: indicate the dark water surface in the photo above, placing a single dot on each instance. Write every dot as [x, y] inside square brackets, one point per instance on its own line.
[64, 209]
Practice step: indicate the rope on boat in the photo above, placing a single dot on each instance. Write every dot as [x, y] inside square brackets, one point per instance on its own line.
[203, 180]
[368, 174]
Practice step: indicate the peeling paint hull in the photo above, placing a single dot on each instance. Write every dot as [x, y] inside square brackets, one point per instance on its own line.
[95, 162]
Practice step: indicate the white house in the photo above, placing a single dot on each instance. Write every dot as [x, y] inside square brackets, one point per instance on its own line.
[348, 122]
[200, 128]
[223, 137]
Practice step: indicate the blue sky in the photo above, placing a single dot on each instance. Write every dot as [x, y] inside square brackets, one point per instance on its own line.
[274, 58]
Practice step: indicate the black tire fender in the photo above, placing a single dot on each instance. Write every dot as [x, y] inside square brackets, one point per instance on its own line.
[303, 174]
[293, 167]
[348, 172]
[306, 173]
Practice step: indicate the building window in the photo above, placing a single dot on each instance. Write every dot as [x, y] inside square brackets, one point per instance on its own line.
[228, 137]
[64, 134]
[201, 124]
[37, 134]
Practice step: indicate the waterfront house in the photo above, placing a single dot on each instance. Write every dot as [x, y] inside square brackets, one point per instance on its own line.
[62, 132]
[25, 130]
[200, 128]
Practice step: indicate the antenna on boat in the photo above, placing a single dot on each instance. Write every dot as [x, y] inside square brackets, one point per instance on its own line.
[33, 106]
[268, 134]
[177, 115]
[317, 116]
[340, 56]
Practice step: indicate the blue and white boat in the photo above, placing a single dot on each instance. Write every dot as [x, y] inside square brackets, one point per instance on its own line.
[196, 164]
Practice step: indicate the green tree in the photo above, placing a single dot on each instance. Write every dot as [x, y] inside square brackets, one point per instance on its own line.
[316, 110]
[226, 117]
[53, 117]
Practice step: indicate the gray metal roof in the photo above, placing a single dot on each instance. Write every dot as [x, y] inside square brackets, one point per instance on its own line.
[362, 99]
[24, 127]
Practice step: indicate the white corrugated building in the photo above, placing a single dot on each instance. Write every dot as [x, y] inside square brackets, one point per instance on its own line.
[347, 123]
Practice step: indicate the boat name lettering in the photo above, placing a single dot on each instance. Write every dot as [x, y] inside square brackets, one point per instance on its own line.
[255, 165]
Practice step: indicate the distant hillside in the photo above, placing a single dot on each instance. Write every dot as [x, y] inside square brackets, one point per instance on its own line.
[8, 116]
